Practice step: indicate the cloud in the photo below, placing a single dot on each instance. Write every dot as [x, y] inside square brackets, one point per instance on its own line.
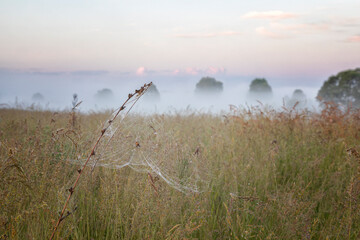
[56, 73]
[215, 70]
[207, 35]
[355, 38]
[198, 71]
[301, 28]
[141, 71]
[89, 72]
[279, 30]
[191, 71]
[264, 32]
[346, 22]
[270, 15]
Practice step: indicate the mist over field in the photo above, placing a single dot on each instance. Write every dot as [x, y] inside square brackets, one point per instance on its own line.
[177, 93]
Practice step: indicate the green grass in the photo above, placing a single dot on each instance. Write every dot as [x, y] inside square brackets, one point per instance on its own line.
[270, 176]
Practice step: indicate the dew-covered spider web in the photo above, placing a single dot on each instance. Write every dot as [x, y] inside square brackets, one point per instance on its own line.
[149, 144]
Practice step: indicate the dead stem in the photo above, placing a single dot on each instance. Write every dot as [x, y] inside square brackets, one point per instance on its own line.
[138, 93]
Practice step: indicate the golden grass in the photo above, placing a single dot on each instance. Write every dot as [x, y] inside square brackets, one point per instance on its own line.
[272, 175]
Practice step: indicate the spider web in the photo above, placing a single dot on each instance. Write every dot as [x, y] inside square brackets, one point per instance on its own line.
[146, 144]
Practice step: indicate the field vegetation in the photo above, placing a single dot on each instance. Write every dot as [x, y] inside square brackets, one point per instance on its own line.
[269, 175]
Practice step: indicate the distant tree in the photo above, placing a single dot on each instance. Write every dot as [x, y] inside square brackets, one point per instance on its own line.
[37, 97]
[299, 94]
[260, 85]
[297, 99]
[209, 85]
[152, 94]
[342, 89]
[104, 94]
[260, 89]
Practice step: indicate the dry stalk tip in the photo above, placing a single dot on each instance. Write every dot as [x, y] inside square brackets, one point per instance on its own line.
[71, 189]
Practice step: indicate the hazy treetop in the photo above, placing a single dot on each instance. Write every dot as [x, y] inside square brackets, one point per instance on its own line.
[298, 100]
[298, 94]
[343, 89]
[152, 93]
[104, 93]
[37, 97]
[260, 85]
[209, 85]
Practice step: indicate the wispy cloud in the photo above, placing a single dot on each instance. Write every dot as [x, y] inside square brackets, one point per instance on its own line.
[141, 71]
[346, 22]
[90, 72]
[200, 71]
[280, 30]
[355, 38]
[55, 73]
[267, 33]
[270, 15]
[193, 71]
[301, 28]
[44, 72]
[207, 35]
[215, 70]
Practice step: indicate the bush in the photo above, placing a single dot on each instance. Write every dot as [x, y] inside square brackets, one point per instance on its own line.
[260, 89]
[37, 97]
[104, 94]
[209, 85]
[152, 93]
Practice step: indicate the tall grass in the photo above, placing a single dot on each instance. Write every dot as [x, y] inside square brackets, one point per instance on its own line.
[272, 175]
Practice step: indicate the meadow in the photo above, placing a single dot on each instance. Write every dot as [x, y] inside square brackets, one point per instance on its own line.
[267, 175]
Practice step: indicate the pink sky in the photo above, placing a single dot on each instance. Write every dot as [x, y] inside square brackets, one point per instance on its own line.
[178, 38]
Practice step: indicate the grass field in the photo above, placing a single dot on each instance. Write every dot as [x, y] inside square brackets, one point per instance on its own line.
[269, 175]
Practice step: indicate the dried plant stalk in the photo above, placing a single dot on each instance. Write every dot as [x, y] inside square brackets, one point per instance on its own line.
[132, 96]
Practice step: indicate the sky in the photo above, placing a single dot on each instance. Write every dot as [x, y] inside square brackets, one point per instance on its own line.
[290, 43]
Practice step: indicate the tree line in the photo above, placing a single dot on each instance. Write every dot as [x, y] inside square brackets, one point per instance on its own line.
[342, 89]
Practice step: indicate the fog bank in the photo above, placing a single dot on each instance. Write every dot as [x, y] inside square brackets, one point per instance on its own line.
[176, 93]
